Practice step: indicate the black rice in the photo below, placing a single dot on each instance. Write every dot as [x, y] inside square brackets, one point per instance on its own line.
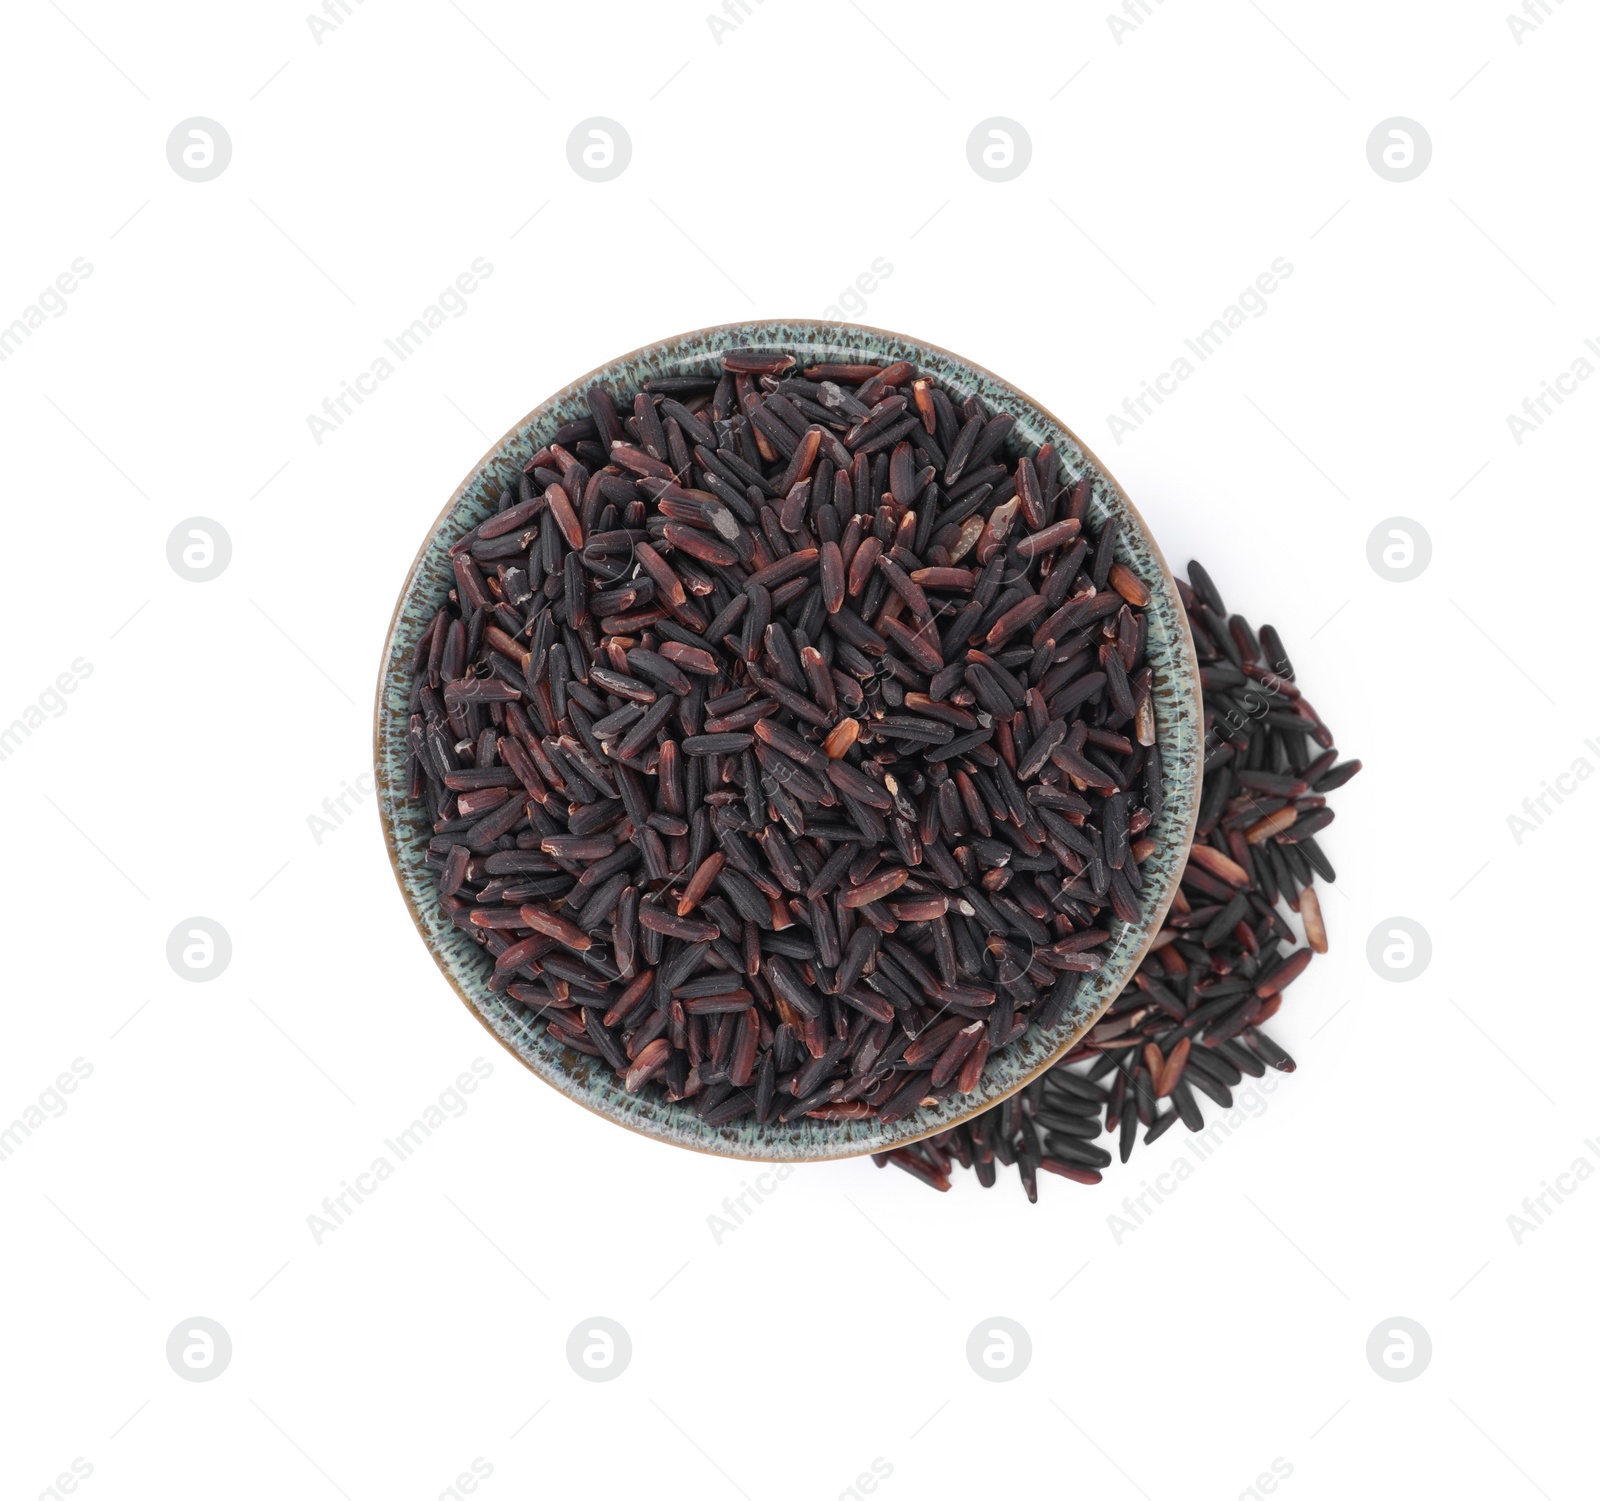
[787, 739]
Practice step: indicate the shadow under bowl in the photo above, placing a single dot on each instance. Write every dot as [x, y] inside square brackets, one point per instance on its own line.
[465, 963]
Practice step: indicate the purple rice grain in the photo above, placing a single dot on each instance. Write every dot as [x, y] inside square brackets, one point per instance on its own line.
[787, 742]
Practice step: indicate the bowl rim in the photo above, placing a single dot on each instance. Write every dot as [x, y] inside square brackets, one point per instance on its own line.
[1188, 781]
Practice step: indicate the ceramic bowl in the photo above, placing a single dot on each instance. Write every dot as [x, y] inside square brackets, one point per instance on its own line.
[466, 966]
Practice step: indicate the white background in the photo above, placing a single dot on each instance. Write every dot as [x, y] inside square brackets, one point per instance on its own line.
[829, 1329]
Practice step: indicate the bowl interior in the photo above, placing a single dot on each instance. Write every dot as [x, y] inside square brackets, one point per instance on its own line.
[466, 965]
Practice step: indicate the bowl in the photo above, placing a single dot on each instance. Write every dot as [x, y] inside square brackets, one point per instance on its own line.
[465, 965]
